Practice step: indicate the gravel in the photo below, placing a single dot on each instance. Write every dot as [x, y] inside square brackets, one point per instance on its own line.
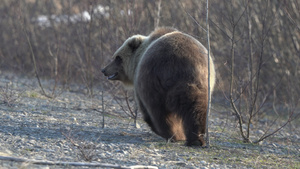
[69, 129]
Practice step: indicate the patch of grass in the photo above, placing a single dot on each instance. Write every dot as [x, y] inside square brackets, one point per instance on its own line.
[32, 94]
[232, 153]
[27, 150]
[295, 165]
[45, 112]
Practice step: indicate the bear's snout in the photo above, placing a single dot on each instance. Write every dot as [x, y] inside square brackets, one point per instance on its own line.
[110, 74]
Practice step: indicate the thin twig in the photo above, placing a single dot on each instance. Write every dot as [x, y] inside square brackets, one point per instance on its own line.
[55, 58]
[128, 105]
[263, 137]
[158, 14]
[34, 64]
[236, 111]
[193, 19]
[65, 163]
[208, 71]
[103, 109]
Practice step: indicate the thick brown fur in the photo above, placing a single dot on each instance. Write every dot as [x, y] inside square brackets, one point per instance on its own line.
[169, 75]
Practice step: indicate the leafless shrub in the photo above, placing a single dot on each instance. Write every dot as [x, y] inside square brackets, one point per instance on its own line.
[9, 96]
[85, 151]
[105, 103]
[248, 93]
[126, 102]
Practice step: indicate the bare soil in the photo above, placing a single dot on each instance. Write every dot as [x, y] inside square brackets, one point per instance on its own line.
[68, 128]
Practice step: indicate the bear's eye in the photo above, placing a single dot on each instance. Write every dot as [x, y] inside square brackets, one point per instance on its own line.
[118, 60]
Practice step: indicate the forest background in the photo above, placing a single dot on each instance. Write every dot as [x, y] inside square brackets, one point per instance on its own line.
[255, 44]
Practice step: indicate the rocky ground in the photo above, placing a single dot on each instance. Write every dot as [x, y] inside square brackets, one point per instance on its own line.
[69, 129]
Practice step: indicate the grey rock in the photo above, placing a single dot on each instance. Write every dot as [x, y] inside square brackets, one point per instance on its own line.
[203, 162]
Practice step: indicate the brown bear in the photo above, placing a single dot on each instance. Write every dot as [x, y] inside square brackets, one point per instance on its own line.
[168, 71]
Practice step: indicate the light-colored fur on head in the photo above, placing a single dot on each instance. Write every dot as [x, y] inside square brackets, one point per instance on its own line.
[131, 52]
[125, 60]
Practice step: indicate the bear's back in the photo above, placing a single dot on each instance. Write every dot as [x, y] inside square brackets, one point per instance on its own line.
[160, 32]
[174, 57]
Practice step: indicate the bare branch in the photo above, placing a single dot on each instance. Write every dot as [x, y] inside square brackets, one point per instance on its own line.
[34, 64]
[65, 163]
[236, 111]
[208, 71]
[264, 136]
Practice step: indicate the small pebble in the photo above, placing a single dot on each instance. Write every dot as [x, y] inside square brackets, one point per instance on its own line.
[203, 162]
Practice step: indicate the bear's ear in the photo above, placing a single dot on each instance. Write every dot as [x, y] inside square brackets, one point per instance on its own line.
[135, 42]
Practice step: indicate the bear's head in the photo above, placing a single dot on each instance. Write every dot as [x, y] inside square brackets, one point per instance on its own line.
[125, 59]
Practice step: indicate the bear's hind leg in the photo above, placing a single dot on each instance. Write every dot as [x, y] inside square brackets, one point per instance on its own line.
[195, 121]
[190, 102]
[194, 132]
[161, 125]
